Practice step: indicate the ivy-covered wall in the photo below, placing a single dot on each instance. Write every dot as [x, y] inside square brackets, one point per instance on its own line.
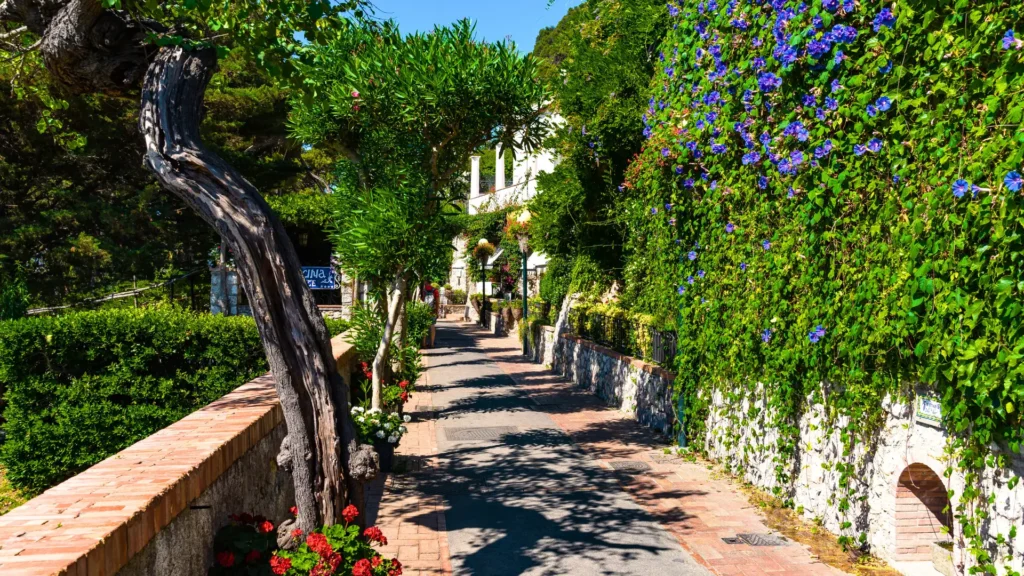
[829, 199]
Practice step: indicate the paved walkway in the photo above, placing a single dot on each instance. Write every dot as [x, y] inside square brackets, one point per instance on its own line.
[514, 477]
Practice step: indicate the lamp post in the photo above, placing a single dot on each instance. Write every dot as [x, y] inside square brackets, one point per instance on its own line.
[524, 246]
[483, 283]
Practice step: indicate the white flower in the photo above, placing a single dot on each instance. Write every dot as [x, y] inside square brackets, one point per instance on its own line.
[380, 433]
[403, 429]
[375, 410]
[407, 418]
[357, 409]
[387, 425]
[392, 439]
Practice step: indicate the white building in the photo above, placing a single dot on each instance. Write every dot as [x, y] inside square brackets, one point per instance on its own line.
[522, 188]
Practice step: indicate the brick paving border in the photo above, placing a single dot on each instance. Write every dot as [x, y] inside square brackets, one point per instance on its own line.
[696, 507]
[413, 521]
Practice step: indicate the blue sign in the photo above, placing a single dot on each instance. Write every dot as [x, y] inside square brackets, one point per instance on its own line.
[320, 277]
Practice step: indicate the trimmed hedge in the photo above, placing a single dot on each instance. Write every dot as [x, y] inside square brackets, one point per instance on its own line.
[83, 386]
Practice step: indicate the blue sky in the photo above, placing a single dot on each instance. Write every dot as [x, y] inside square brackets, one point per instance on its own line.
[519, 19]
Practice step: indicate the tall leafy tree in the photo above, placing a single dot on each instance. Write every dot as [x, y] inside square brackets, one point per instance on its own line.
[600, 60]
[168, 51]
[406, 113]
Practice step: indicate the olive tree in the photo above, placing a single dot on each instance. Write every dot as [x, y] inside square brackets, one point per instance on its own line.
[406, 112]
[163, 54]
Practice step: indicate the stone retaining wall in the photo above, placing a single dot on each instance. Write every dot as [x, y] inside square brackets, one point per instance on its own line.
[155, 507]
[642, 390]
[896, 501]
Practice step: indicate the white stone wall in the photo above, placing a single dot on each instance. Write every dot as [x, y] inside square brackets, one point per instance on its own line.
[747, 445]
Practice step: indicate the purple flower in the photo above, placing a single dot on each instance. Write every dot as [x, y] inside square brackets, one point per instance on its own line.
[819, 113]
[818, 48]
[743, 266]
[766, 335]
[673, 10]
[810, 100]
[690, 280]
[960, 188]
[762, 182]
[671, 221]
[884, 18]
[688, 183]
[895, 178]
[664, 151]
[836, 86]
[758, 63]
[718, 148]
[729, 227]
[884, 103]
[875, 145]
[872, 111]
[669, 71]
[700, 273]
[839, 57]
[830, 5]
[1013, 181]
[654, 211]
[681, 290]
[841, 34]
[859, 149]
[751, 158]
[679, 169]
[796, 157]
[739, 23]
[1009, 40]
[831, 103]
[887, 68]
[668, 207]
[647, 132]
[768, 82]
[817, 334]
[766, 245]
[691, 255]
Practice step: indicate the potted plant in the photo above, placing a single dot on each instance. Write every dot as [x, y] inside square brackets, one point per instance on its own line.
[382, 429]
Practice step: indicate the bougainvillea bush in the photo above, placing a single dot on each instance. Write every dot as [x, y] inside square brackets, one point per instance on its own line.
[830, 193]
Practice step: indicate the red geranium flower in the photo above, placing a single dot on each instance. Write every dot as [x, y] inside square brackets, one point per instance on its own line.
[297, 533]
[373, 534]
[396, 568]
[318, 543]
[294, 510]
[279, 565]
[350, 513]
[403, 384]
[265, 527]
[252, 556]
[226, 559]
[377, 560]
[362, 568]
[405, 396]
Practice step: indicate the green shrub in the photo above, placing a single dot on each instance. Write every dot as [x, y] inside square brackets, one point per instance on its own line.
[83, 386]
[14, 298]
[456, 296]
[336, 326]
[554, 284]
[420, 317]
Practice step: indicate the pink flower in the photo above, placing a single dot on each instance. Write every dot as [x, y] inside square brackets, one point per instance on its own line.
[355, 93]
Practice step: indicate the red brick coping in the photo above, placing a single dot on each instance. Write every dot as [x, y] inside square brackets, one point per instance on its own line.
[652, 369]
[92, 524]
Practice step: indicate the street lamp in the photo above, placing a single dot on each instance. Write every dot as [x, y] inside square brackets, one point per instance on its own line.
[483, 251]
[523, 236]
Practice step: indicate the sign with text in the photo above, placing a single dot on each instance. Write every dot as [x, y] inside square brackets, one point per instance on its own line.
[320, 277]
[929, 409]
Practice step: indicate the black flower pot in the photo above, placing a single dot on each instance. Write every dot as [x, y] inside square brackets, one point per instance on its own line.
[386, 454]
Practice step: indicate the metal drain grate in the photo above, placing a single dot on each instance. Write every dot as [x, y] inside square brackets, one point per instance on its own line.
[482, 433]
[632, 466]
[757, 540]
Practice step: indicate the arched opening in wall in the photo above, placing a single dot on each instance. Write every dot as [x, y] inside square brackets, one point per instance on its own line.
[923, 514]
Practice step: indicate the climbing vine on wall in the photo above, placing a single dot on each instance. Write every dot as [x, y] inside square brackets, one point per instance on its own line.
[833, 191]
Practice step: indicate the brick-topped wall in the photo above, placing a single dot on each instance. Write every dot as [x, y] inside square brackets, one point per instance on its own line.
[96, 522]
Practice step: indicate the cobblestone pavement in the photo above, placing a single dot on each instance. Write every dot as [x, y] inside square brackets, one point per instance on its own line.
[514, 475]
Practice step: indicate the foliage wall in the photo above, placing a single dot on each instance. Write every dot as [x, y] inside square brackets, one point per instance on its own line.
[830, 192]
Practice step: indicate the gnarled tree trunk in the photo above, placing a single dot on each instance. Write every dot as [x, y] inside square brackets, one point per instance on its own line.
[321, 437]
